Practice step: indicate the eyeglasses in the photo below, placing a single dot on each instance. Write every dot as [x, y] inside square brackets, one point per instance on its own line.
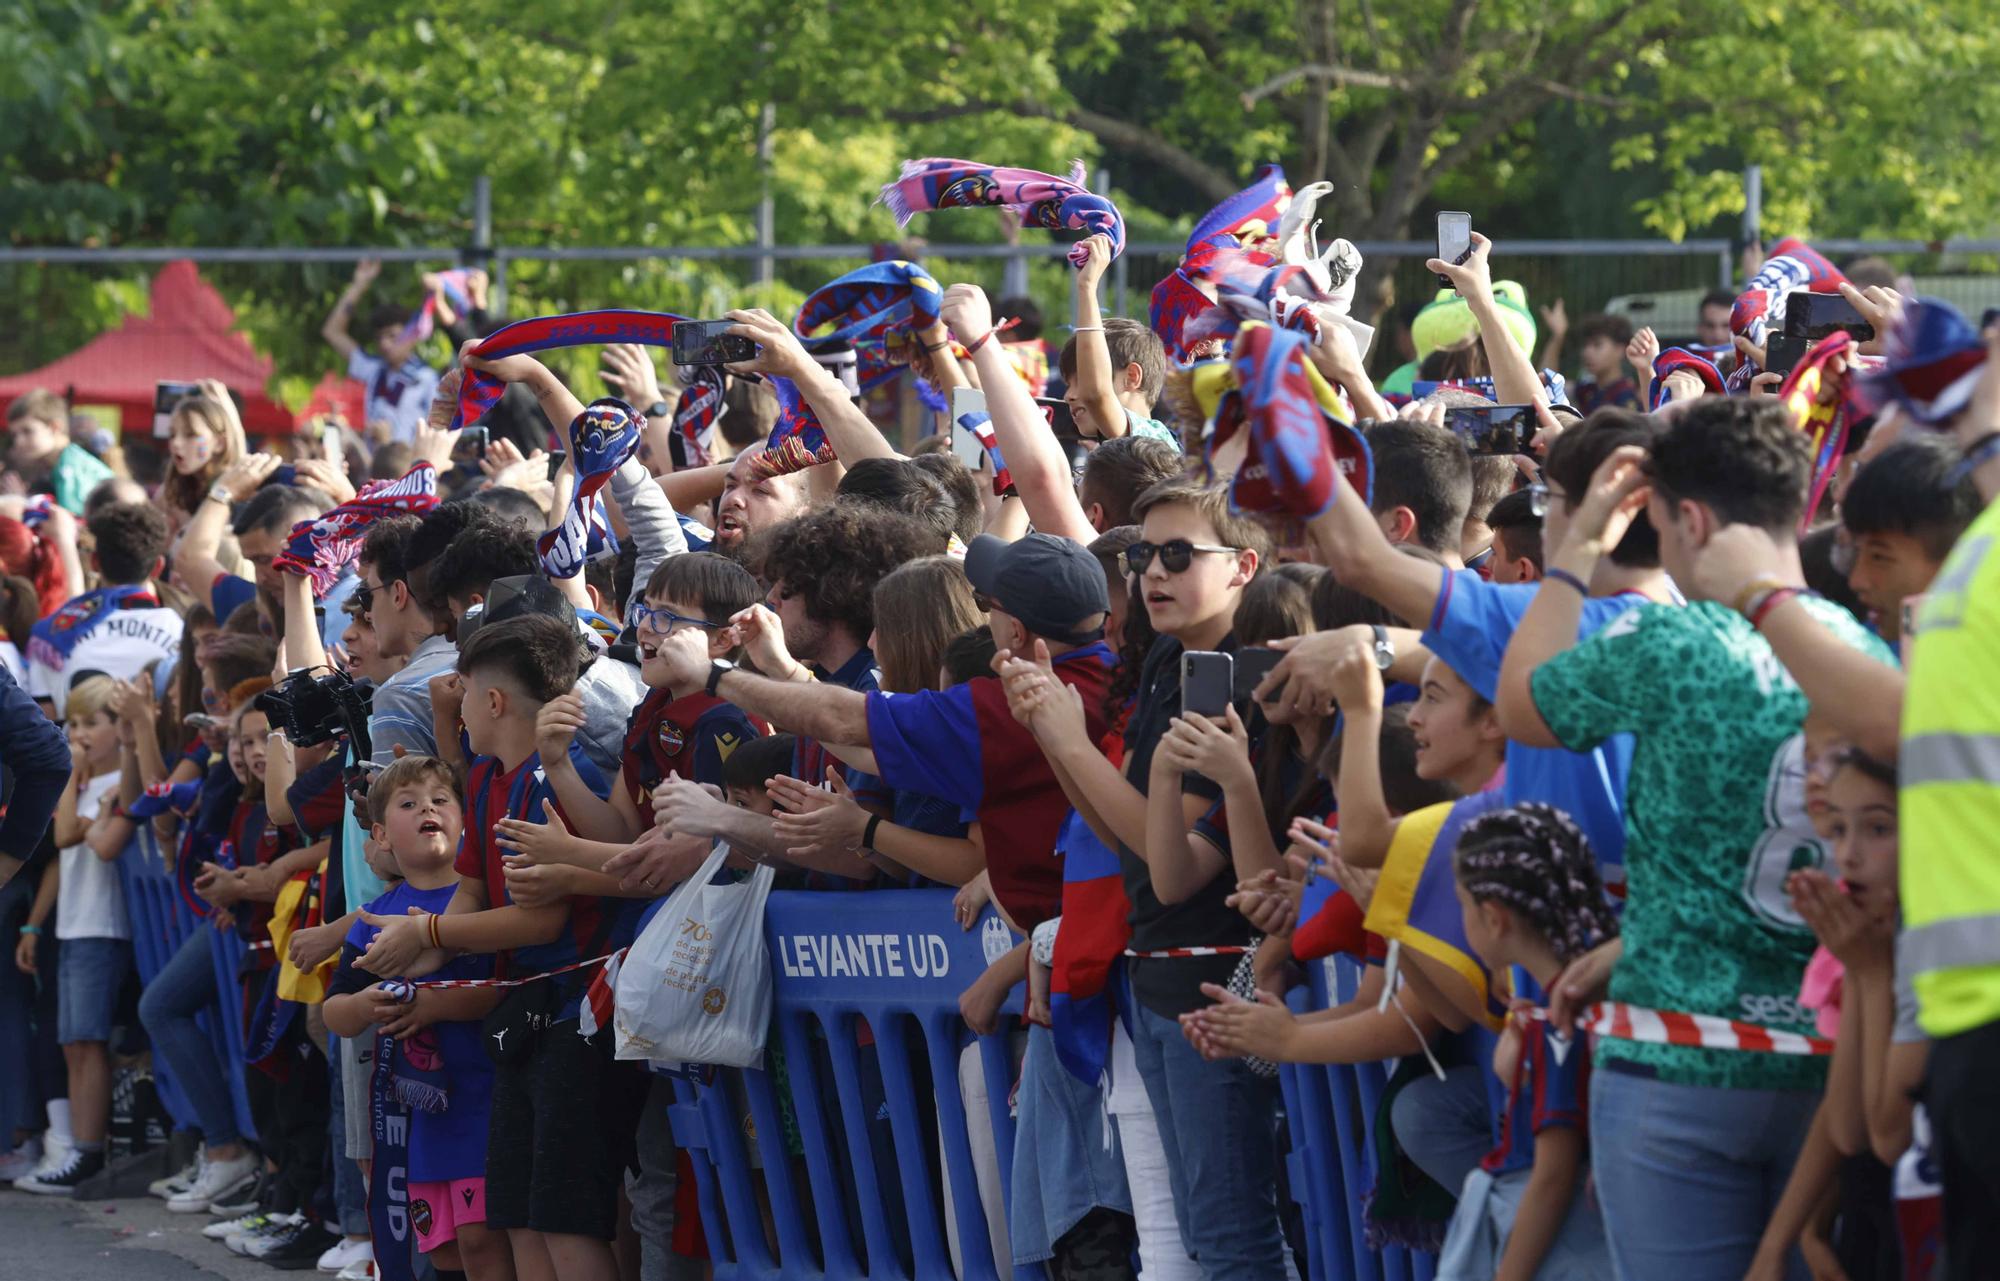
[1538, 499]
[662, 621]
[1176, 554]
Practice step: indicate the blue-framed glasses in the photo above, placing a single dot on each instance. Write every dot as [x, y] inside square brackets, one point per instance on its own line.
[662, 621]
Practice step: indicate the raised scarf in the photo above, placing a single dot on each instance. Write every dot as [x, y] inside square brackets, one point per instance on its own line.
[699, 406]
[423, 321]
[1825, 424]
[1041, 199]
[480, 391]
[601, 438]
[322, 547]
[874, 309]
[797, 441]
[1793, 264]
[1675, 359]
[1298, 430]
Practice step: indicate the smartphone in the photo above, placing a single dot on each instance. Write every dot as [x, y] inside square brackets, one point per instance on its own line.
[1493, 430]
[1783, 352]
[1454, 240]
[474, 439]
[1208, 682]
[556, 459]
[968, 406]
[1815, 316]
[167, 396]
[709, 342]
[1056, 410]
[1253, 664]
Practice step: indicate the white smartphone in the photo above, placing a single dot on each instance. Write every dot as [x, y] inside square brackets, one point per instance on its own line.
[968, 402]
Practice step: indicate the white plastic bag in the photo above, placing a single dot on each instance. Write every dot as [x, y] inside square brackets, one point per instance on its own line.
[696, 986]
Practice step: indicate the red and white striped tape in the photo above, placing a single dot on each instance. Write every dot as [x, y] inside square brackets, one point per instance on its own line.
[1176, 953]
[531, 978]
[1625, 1022]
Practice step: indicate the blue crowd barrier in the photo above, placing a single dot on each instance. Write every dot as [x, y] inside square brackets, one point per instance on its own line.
[161, 925]
[896, 962]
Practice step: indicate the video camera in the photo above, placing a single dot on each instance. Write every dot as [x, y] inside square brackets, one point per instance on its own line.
[317, 709]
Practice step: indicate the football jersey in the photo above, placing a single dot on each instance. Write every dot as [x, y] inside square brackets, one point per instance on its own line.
[688, 737]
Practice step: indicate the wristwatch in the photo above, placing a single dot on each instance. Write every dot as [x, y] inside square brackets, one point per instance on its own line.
[716, 671]
[659, 409]
[1385, 652]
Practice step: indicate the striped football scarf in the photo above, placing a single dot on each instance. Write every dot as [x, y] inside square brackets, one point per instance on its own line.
[1041, 199]
[321, 548]
[873, 309]
[601, 438]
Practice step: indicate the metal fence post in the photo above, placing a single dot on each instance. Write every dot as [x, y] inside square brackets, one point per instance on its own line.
[482, 254]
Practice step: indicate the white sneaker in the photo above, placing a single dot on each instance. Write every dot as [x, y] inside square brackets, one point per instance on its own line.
[218, 1181]
[344, 1253]
[56, 1152]
[223, 1229]
[21, 1162]
[254, 1242]
[175, 1184]
[359, 1270]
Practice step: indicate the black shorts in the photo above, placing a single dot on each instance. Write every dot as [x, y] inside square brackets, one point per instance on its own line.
[553, 1152]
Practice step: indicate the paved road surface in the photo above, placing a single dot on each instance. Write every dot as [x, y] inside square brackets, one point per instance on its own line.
[47, 1237]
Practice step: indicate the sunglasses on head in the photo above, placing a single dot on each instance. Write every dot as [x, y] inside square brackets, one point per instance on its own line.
[1176, 554]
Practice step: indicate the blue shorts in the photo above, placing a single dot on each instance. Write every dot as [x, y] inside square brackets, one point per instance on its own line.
[89, 973]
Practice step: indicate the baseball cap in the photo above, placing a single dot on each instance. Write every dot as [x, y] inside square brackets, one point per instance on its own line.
[1053, 585]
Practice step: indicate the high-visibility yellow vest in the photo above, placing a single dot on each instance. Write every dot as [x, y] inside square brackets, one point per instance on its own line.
[1950, 803]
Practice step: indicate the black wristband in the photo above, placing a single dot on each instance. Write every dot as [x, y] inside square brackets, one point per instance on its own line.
[868, 832]
[659, 409]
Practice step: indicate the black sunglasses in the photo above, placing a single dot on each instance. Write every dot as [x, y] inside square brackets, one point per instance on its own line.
[1176, 554]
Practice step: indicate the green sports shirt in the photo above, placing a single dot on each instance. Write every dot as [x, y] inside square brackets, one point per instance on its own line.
[1715, 821]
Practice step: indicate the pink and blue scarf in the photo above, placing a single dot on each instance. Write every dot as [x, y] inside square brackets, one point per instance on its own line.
[321, 548]
[423, 321]
[1253, 212]
[874, 309]
[1042, 199]
[480, 391]
[601, 438]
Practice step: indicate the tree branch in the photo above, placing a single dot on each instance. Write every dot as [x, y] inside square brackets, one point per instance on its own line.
[1332, 75]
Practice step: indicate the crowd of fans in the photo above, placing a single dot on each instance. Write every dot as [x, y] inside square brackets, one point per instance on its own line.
[1592, 758]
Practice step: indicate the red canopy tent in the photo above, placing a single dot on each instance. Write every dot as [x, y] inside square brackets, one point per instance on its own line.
[190, 334]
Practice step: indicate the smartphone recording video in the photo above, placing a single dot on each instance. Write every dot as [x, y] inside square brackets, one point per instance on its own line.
[968, 405]
[709, 342]
[1493, 430]
[1814, 316]
[1454, 240]
[1783, 352]
[167, 397]
[1208, 682]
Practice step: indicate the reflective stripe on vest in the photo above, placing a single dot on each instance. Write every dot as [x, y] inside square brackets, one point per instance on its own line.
[1956, 943]
[1950, 758]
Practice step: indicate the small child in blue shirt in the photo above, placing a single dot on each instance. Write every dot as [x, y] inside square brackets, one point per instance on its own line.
[1532, 897]
[438, 1067]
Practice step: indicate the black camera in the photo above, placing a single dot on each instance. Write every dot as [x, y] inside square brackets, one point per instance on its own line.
[318, 709]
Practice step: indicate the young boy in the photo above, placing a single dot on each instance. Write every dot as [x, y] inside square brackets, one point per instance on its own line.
[39, 448]
[400, 385]
[1194, 558]
[1601, 352]
[91, 924]
[750, 767]
[417, 817]
[1113, 369]
[555, 1145]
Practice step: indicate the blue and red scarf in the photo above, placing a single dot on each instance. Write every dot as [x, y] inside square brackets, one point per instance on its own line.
[1087, 969]
[873, 309]
[1680, 359]
[479, 391]
[55, 638]
[1250, 215]
[797, 441]
[1296, 441]
[699, 406]
[601, 438]
[1793, 264]
[423, 322]
[321, 548]
[1042, 199]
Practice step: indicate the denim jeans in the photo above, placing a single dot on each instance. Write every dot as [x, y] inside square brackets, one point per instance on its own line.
[1688, 1175]
[1446, 1126]
[350, 1190]
[183, 988]
[1219, 1125]
[1065, 1165]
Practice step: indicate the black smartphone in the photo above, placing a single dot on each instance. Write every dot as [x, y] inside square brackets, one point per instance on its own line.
[167, 397]
[1454, 240]
[1783, 352]
[556, 459]
[473, 441]
[1208, 682]
[1253, 664]
[1815, 316]
[1056, 410]
[709, 342]
[1493, 430]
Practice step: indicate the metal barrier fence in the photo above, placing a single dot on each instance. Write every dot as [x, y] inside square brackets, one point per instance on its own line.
[867, 1028]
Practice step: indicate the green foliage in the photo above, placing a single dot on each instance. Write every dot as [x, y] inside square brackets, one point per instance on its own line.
[602, 122]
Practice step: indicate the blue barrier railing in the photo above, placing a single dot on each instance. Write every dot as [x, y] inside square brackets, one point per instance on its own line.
[161, 926]
[895, 964]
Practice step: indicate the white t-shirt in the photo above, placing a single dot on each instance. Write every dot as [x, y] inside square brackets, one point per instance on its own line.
[17, 666]
[121, 644]
[91, 903]
[400, 397]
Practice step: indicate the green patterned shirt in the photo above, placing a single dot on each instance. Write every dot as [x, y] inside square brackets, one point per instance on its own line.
[1715, 821]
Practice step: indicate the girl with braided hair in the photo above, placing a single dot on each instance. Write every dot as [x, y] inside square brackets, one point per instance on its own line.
[1531, 895]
